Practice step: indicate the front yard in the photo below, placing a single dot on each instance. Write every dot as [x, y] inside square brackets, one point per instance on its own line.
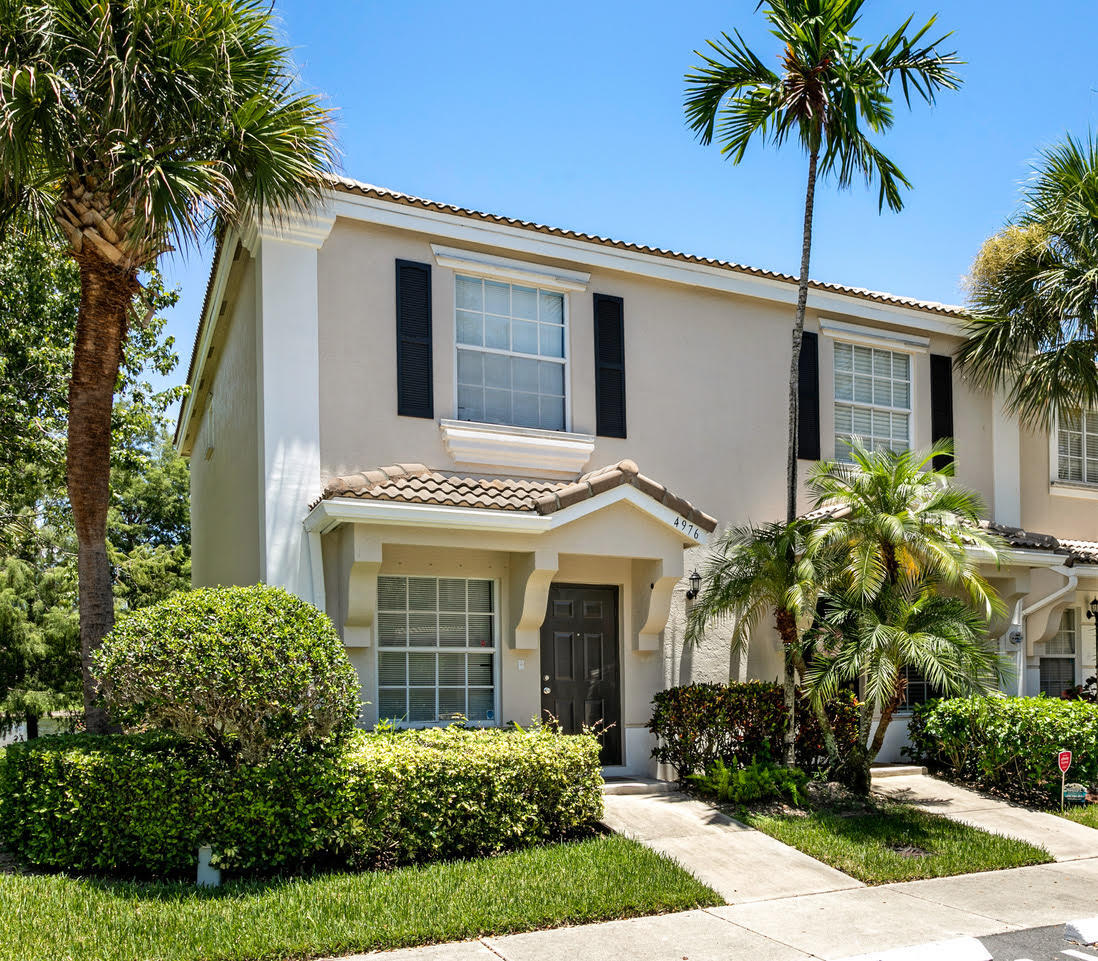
[58, 918]
[886, 842]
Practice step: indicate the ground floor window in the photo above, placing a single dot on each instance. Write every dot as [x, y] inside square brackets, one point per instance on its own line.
[917, 690]
[436, 659]
[1057, 657]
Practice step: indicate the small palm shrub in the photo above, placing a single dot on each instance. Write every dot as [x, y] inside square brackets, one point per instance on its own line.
[753, 783]
[245, 670]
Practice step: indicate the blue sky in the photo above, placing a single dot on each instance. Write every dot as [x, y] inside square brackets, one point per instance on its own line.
[570, 113]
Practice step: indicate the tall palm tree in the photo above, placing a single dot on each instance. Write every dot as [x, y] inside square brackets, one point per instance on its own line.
[752, 573]
[829, 93]
[1034, 290]
[129, 127]
[908, 624]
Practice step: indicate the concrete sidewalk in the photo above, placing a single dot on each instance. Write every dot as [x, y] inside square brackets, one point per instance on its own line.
[738, 862]
[1063, 839]
[829, 926]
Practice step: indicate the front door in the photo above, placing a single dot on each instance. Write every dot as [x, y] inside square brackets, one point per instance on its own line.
[579, 663]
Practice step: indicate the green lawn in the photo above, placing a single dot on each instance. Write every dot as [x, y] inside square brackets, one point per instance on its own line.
[870, 845]
[1087, 814]
[56, 918]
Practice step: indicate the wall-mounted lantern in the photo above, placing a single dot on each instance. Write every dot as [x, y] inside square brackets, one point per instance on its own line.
[696, 583]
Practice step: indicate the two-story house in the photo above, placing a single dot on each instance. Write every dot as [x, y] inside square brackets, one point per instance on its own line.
[492, 449]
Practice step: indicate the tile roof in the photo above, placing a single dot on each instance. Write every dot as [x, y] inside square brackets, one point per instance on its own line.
[418, 484]
[348, 185]
[1074, 551]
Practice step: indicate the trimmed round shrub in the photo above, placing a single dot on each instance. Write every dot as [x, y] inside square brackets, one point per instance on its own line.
[142, 804]
[245, 669]
[696, 725]
[1008, 744]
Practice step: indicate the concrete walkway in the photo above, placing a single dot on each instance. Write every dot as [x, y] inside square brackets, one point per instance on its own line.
[1063, 839]
[738, 862]
[829, 926]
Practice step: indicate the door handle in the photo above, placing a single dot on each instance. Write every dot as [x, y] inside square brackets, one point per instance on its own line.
[546, 690]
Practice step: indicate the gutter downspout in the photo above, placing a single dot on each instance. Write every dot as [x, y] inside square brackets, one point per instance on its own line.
[1072, 580]
[316, 560]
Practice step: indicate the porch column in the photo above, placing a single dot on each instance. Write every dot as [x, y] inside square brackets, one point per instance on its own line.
[288, 374]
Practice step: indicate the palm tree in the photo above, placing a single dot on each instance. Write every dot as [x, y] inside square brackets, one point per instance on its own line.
[894, 516]
[752, 573]
[829, 93]
[129, 127]
[908, 624]
[1033, 289]
[907, 592]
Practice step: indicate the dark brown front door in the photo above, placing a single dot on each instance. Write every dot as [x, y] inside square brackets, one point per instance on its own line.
[579, 663]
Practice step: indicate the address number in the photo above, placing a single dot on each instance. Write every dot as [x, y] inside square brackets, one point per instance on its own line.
[687, 528]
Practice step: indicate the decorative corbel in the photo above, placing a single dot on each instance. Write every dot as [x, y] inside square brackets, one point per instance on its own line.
[362, 567]
[534, 572]
[659, 602]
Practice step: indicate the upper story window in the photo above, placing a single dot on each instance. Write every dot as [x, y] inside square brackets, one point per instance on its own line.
[511, 354]
[872, 398]
[1077, 447]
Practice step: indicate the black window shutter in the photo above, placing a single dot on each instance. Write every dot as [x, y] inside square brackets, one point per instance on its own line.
[941, 403]
[609, 366]
[808, 398]
[415, 372]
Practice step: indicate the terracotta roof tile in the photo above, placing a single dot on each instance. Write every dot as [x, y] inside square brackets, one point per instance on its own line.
[417, 484]
[395, 196]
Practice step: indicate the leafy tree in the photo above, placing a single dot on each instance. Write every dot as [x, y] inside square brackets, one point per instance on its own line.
[148, 538]
[752, 573]
[830, 94]
[1034, 290]
[903, 590]
[128, 127]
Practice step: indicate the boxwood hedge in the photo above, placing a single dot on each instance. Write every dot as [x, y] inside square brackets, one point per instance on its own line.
[1008, 744]
[141, 805]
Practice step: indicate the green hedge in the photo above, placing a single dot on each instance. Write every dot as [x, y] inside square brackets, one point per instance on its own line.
[1008, 744]
[142, 804]
[698, 724]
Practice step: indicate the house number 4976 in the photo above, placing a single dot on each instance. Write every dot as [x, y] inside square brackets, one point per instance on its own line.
[687, 528]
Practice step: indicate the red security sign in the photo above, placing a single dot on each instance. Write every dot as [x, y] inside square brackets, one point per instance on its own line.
[1065, 761]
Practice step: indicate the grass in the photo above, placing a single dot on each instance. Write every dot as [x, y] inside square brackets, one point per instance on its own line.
[870, 844]
[1086, 814]
[58, 918]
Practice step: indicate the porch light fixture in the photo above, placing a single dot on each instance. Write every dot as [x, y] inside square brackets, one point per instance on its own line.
[1092, 608]
[696, 583]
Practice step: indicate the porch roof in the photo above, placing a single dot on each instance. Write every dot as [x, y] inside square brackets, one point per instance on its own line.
[418, 484]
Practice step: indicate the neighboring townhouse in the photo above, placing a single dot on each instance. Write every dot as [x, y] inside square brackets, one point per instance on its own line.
[492, 451]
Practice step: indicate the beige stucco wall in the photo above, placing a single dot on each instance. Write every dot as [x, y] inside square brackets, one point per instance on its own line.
[706, 374]
[225, 488]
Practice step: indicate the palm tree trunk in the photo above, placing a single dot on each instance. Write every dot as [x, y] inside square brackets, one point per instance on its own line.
[106, 293]
[798, 331]
[787, 630]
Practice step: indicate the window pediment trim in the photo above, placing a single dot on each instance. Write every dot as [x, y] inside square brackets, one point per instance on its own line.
[515, 271]
[874, 337]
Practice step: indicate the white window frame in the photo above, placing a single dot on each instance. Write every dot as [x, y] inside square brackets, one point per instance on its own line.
[1077, 657]
[848, 335]
[496, 651]
[546, 282]
[1060, 486]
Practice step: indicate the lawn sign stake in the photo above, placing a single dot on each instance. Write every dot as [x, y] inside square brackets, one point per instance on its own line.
[1064, 760]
